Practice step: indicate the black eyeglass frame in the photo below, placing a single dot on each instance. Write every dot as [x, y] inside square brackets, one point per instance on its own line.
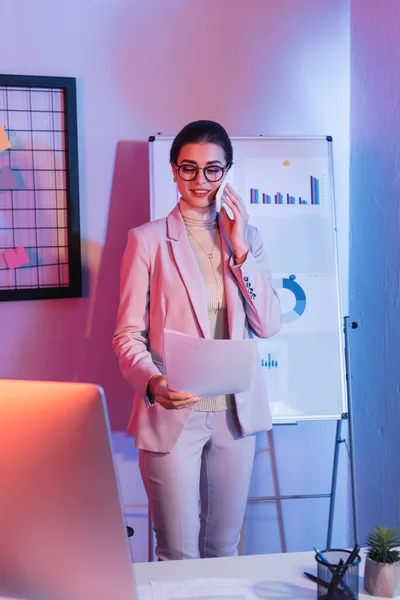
[204, 169]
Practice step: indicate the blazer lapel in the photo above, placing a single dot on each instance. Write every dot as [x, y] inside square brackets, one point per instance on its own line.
[231, 287]
[188, 268]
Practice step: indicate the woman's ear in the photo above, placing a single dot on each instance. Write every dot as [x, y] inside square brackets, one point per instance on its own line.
[174, 172]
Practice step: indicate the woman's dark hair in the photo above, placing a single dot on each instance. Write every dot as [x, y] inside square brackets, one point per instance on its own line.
[208, 132]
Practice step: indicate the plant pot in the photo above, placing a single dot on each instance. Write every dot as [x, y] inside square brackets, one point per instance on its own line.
[381, 579]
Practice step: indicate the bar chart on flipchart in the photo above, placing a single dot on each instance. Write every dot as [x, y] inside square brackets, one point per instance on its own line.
[257, 197]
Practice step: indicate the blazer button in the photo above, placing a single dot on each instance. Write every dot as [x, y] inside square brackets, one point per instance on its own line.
[251, 290]
[245, 278]
[248, 284]
[253, 296]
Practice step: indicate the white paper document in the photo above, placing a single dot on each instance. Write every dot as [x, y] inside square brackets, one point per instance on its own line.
[208, 367]
[203, 589]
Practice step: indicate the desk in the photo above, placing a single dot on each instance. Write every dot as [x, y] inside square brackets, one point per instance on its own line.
[279, 575]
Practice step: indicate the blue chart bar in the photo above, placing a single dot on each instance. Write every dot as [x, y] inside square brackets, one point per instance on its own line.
[266, 199]
[314, 184]
[270, 363]
[291, 199]
[254, 193]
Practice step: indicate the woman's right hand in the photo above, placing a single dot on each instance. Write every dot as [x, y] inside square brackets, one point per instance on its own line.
[168, 399]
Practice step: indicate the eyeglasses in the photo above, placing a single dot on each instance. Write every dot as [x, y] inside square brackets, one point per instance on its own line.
[211, 173]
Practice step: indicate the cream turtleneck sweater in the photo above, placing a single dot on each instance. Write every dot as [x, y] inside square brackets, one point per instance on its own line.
[203, 234]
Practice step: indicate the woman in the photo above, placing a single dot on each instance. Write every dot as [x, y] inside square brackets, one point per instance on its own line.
[207, 276]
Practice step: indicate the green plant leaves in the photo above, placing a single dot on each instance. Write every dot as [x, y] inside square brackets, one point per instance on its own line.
[382, 543]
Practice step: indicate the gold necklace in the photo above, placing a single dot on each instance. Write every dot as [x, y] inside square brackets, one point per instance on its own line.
[209, 254]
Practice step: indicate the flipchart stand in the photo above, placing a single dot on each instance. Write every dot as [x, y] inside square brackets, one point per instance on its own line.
[339, 440]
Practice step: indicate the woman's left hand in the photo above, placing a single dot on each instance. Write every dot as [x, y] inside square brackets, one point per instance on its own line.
[235, 228]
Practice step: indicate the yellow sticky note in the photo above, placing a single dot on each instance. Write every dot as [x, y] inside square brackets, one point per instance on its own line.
[5, 143]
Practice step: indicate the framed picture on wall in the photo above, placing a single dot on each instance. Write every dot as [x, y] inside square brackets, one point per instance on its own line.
[40, 246]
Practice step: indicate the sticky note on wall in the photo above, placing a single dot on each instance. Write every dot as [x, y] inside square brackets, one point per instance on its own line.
[7, 179]
[5, 143]
[16, 258]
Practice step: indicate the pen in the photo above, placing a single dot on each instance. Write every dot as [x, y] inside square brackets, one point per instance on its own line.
[335, 580]
[349, 562]
[322, 558]
[321, 582]
[352, 556]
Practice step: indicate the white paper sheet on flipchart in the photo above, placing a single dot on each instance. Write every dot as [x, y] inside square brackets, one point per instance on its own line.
[204, 589]
[206, 367]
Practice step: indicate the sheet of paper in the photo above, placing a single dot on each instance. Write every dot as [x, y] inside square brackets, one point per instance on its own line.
[143, 591]
[208, 367]
[203, 589]
[5, 143]
[7, 179]
[16, 258]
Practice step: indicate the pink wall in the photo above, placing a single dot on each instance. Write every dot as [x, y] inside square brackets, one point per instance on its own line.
[148, 66]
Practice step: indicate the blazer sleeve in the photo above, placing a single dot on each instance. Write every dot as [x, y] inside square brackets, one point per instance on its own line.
[130, 341]
[253, 277]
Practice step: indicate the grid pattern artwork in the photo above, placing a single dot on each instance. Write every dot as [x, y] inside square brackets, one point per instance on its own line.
[39, 192]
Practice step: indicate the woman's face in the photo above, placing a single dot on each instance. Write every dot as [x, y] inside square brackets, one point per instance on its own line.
[199, 192]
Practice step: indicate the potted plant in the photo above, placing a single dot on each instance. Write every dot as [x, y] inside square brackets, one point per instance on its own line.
[382, 563]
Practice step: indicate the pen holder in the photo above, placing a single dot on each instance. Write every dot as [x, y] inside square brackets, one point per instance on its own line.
[345, 579]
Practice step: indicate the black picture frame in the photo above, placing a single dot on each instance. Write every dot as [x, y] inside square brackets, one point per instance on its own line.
[73, 288]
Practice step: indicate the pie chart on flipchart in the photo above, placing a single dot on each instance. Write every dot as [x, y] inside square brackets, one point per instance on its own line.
[291, 293]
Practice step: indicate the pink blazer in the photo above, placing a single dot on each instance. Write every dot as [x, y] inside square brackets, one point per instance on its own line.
[162, 287]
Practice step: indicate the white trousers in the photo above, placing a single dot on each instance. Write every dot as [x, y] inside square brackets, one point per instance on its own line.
[198, 492]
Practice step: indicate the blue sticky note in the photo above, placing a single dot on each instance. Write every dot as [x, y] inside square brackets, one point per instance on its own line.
[7, 179]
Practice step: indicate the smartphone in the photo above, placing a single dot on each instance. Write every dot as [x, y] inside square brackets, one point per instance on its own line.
[220, 191]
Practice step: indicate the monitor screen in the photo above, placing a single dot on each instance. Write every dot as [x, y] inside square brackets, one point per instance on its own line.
[62, 530]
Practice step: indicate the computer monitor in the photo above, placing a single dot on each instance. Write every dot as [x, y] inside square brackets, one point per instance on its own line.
[62, 531]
